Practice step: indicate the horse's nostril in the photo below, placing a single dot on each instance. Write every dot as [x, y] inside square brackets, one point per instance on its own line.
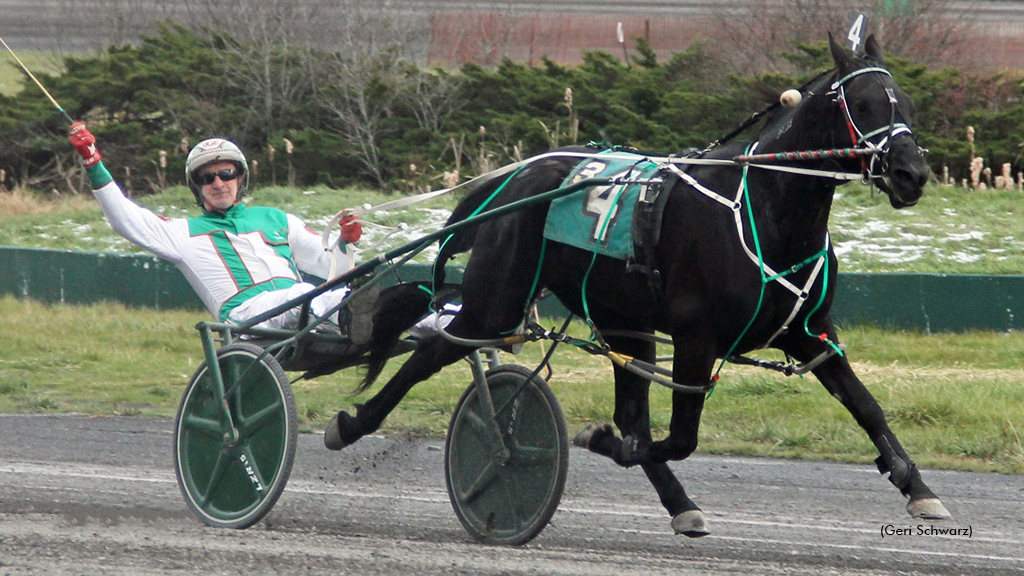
[910, 179]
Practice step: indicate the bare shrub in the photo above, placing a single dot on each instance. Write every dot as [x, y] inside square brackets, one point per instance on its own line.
[926, 31]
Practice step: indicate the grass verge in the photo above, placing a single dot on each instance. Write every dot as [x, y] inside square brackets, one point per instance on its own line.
[13, 79]
[952, 230]
[955, 401]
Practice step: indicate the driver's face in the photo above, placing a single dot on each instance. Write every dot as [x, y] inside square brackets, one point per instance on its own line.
[221, 191]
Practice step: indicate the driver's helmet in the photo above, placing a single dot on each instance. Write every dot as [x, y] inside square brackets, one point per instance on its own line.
[215, 150]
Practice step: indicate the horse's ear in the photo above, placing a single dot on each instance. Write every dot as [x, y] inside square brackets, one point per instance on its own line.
[873, 49]
[843, 58]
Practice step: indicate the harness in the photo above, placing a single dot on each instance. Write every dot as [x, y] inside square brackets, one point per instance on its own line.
[863, 147]
[867, 146]
[818, 261]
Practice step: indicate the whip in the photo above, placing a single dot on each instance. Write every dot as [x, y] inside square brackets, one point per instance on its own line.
[38, 83]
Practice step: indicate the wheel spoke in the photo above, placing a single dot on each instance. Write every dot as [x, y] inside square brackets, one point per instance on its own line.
[204, 426]
[233, 391]
[250, 425]
[220, 470]
[252, 470]
[525, 456]
[511, 489]
[475, 422]
[229, 372]
[487, 476]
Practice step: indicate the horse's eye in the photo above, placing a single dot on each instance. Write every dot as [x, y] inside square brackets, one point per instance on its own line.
[862, 107]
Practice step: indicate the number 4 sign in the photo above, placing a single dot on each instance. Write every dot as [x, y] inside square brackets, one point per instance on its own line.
[856, 34]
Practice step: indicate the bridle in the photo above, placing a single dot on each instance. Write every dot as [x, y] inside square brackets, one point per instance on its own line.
[871, 152]
[870, 147]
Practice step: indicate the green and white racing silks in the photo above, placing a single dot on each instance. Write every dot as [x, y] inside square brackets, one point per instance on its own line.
[227, 258]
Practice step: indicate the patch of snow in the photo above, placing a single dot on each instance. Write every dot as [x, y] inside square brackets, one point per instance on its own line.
[963, 257]
[973, 235]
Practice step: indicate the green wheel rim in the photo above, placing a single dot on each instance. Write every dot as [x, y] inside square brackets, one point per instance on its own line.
[507, 501]
[234, 482]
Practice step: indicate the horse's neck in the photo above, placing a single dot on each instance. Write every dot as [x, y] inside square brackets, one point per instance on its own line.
[797, 206]
[791, 210]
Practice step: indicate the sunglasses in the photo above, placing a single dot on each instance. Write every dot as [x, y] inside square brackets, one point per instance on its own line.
[226, 175]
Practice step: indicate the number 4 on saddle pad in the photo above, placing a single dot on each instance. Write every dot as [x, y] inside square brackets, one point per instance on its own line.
[603, 218]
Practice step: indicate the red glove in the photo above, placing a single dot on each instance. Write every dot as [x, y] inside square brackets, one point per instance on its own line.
[351, 228]
[85, 144]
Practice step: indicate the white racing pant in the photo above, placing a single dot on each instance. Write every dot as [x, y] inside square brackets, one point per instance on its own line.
[289, 319]
[428, 325]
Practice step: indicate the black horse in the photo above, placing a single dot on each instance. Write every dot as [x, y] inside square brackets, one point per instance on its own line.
[716, 296]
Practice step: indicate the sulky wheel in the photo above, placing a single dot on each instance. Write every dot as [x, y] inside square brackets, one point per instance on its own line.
[232, 473]
[505, 490]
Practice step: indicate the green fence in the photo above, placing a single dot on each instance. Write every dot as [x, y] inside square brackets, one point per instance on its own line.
[62, 276]
[931, 302]
[925, 302]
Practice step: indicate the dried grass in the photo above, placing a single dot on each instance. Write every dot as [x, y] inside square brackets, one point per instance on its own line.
[19, 203]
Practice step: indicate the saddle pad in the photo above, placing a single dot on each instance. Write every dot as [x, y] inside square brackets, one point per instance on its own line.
[600, 217]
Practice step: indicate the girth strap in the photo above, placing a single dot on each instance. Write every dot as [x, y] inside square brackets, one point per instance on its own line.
[647, 220]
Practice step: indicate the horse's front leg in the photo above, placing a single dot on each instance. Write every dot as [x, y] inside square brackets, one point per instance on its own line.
[632, 417]
[839, 379]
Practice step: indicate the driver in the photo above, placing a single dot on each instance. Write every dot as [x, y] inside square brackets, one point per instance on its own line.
[241, 261]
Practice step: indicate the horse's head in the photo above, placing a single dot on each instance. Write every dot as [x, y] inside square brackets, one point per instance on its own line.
[876, 116]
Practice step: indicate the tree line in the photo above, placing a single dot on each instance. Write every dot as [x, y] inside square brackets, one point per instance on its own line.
[369, 115]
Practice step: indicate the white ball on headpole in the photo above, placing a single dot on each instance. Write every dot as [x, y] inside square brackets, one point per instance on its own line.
[791, 98]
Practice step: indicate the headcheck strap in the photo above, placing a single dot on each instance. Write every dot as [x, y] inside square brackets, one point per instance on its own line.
[855, 73]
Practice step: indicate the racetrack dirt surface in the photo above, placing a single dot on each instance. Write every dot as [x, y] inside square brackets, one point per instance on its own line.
[91, 495]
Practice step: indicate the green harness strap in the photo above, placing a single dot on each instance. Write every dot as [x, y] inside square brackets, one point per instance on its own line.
[593, 260]
[765, 279]
[760, 264]
[479, 209]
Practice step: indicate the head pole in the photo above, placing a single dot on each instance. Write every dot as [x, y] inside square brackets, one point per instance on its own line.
[38, 83]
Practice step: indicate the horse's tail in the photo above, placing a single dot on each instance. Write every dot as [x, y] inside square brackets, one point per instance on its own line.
[484, 188]
[481, 192]
[464, 239]
[398, 309]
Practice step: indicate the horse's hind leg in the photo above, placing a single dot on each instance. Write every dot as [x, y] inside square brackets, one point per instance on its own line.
[496, 286]
[838, 377]
[432, 355]
[632, 417]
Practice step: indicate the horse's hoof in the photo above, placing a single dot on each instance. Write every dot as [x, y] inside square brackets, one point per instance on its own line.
[928, 509]
[586, 436]
[332, 433]
[691, 524]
